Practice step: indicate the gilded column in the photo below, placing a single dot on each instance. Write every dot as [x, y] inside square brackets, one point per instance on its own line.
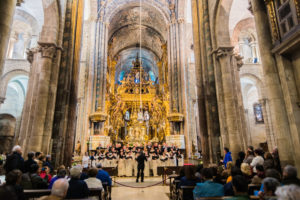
[278, 113]
[7, 10]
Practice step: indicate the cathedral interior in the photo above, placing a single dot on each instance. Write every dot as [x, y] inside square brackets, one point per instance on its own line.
[198, 74]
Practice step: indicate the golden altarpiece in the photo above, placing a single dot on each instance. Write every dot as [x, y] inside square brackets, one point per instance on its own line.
[137, 108]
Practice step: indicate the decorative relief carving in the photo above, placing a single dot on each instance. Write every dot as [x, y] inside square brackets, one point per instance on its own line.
[273, 20]
[30, 54]
[2, 99]
[239, 60]
[224, 51]
[19, 2]
[47, 50]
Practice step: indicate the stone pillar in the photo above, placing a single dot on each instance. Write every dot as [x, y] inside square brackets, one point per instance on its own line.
[7, 10]
[268, 125]
[278, 114]
[36, 107]
[231, 99]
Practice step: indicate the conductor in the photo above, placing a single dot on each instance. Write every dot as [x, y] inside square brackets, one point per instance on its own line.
[141, 165]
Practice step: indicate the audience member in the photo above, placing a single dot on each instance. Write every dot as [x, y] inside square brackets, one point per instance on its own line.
[240, 188]
[92, 181]
[290, 176]
[77, 188]
[257, 160]
[48, 163]
[58, 191]
[7, 192]
[260, 175]
[208, 188]
[240, 160]
[270, 186]
[189, 178]
[227, 157]
[61, 173]
[277, 164]
[249, 157]
[228, 188]
[269, 161]
[45, 173]
[288, 192]
[36, 181]
[103, 175]
[14, 160]
[246, 170]
[29, 162]
[84, 174]
[13, 179]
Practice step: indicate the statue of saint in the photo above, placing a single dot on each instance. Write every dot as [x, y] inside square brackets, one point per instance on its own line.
[146, 115]
[127, 116]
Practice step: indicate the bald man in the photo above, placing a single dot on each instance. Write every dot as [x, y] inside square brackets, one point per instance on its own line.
[59, 190]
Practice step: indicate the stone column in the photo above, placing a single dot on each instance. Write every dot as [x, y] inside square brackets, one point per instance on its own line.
[231, 99]
[36, 107]
[278, 113]
[7, 10]
[268, 125]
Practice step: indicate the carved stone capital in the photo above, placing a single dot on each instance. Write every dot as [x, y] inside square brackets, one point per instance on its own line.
[47, 50]
[2, 99]
[239, 60]
[30, 54]
[263, 101]
[19, 2]
[180, 21]
[223, 51]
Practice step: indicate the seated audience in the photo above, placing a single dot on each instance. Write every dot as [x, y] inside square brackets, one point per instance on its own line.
[58, 191]
[290, 176]
[48, 163]
[14, 160]
[240, 160]
[37, 181]
[272, 173]
[103, 175]
[92, 181]
[84, 174]
[189, 178]
[240, 188]
[288, 192]
[13, 179]
[270, 186]
[45, 174]
[246, 170]
[29, 162]
[269, 161]
[61, 173]
[77, 188]
[7, 192]
[208, 188]
[249, 156]
[257, 160]
[228, 188]
[260, 175]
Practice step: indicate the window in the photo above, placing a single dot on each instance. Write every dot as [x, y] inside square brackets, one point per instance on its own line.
[286, 16]
[258, 113]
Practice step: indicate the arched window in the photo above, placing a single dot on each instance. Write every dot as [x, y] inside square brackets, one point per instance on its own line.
[258, 113]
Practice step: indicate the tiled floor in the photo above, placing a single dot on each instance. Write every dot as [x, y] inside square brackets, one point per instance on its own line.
[150, 193]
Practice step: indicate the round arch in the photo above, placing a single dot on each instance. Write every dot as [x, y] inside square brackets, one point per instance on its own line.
[257, 82]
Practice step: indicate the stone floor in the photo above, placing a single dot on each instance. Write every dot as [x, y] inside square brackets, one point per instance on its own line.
[159, 192]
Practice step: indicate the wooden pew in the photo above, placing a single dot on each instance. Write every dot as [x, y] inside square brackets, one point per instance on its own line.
[32, 194]
[186, 193]
[165, 171]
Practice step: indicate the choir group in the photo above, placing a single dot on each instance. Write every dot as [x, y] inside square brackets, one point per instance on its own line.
[124, 157]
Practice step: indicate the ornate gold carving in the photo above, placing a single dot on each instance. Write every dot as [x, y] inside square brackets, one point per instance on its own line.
[47, 50]
[297, 5]
[98, 116]
[273, 20]
[175, 117]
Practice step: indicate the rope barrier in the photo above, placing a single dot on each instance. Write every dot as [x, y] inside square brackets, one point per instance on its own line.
[141, 186]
